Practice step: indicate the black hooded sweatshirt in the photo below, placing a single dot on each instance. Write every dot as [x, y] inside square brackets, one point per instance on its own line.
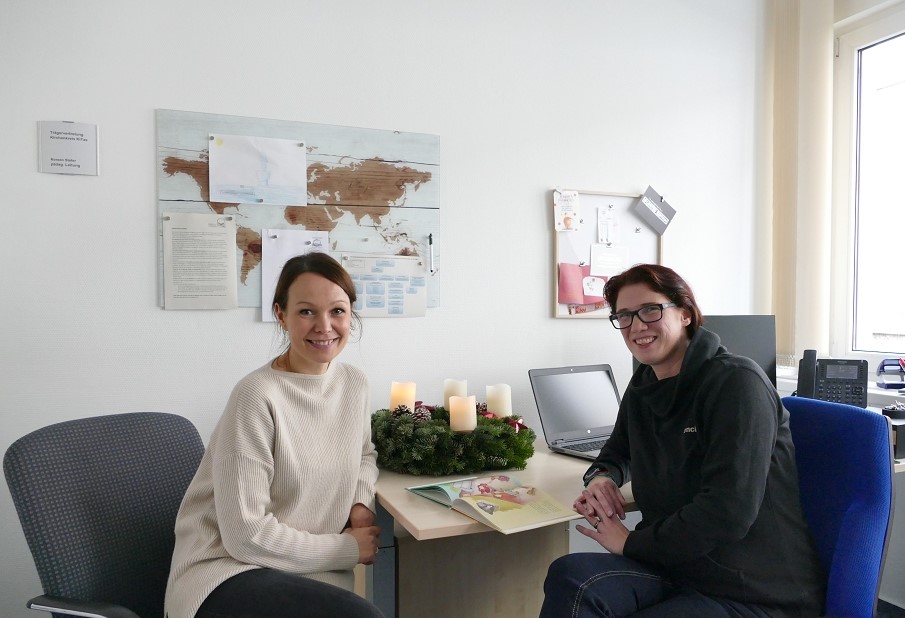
[712, 467]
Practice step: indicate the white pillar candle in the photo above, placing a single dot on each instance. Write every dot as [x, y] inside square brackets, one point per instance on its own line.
[402, 394]
[499, 400]
[451, 387]
[463, 415]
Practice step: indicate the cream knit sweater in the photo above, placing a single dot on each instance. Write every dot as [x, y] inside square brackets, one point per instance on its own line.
[289, 457]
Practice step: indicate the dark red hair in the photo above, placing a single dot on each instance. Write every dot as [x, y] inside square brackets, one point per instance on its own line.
[662, 280]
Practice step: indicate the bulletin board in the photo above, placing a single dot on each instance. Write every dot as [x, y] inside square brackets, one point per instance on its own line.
[373, 191]
[607, 238]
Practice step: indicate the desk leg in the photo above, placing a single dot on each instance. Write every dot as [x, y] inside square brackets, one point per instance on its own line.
[503, 574]
[482, 575]
[385, 566]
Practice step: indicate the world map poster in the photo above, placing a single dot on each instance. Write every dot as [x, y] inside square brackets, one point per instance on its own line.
[373, 191]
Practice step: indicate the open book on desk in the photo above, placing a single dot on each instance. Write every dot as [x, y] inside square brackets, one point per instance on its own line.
[500, 501]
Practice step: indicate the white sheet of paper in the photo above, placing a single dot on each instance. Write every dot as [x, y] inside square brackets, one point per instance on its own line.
[607, 226]
[607, 261]
[566, 211]
[593, 286]
[388, 286]
[199, 261]
[278, 246]
[258, 170]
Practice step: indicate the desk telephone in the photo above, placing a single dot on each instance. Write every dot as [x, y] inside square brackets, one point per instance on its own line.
[832, 379]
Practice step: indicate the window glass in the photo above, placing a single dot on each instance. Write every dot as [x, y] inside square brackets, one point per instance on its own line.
[868, 208]
[878, 316]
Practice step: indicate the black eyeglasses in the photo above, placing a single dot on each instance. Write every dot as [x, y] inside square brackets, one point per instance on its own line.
[647, 314]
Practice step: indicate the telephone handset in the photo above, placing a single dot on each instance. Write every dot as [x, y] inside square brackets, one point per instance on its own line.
[832, 379]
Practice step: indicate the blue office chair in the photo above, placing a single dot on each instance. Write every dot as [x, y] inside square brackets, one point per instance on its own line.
[845, 468]
[97, 499]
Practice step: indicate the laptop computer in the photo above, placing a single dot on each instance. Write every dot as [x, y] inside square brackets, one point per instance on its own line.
[577, 406]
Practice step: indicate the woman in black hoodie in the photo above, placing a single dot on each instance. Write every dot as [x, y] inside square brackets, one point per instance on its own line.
[704, 439]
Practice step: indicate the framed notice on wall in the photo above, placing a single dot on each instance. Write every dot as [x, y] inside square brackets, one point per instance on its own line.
[596, 235]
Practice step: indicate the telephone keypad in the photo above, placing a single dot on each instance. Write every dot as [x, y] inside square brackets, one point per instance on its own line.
[851, 394]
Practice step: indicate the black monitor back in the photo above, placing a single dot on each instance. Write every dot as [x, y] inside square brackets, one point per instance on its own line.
[753, 336]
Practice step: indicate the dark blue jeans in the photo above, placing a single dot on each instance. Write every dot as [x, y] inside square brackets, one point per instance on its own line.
[587, 585]
[268, 593]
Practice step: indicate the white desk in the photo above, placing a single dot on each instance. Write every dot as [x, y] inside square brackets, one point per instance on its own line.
[898, 441]
[436, 562]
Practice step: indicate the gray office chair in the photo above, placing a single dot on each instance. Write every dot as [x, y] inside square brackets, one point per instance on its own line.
[97, 499]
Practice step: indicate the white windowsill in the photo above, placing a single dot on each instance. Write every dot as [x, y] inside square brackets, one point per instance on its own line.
[787, 382]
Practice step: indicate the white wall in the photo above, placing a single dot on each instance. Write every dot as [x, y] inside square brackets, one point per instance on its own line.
[524, 96]
[845, 11]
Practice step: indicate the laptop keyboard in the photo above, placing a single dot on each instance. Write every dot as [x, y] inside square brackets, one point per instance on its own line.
[588, 446]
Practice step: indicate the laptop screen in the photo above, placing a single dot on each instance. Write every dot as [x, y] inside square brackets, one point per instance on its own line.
[574, 402]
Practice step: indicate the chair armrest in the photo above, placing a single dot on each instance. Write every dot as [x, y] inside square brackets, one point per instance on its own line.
[85, 609]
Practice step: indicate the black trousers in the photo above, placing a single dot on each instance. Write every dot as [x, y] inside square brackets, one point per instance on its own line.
[268, 593]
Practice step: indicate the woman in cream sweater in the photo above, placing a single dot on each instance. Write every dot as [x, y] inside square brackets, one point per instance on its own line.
[282, 506]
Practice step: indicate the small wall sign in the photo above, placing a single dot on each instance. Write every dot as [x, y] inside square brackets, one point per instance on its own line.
[67, 147]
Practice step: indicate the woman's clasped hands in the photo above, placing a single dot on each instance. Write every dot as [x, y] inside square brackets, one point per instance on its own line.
[361, 527]
[603, 507]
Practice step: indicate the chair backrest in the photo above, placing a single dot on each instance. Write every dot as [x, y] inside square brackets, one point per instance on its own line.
[97, 499]
[845, 468]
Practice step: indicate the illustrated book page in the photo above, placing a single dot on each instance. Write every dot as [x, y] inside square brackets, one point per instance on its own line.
[500, 501]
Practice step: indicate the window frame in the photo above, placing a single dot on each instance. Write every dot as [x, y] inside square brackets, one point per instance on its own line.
[849, 40]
